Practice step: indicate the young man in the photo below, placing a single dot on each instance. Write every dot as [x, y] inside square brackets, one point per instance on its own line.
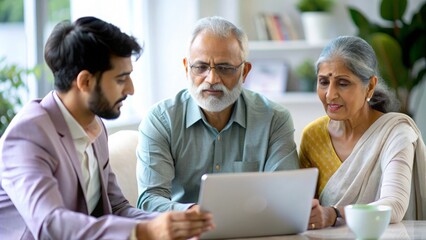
[56, 181]
[214, 126]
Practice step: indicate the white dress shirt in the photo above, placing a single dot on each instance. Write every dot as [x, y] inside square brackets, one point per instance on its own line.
[83, 139]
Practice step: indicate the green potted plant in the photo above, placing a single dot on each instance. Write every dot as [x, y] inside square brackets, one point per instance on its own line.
[12, 87]
[305, 71]
[316, 19]
[399, 45]
[314, 5]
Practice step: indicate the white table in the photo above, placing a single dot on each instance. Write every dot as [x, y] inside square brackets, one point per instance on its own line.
[399, 231]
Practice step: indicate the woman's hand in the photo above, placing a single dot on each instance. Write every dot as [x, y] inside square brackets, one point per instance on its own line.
[321, 217]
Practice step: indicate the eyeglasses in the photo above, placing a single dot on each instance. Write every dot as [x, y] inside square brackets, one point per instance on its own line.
[224, 70]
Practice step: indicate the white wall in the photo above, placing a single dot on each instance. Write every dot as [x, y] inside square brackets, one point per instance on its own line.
[169, 24]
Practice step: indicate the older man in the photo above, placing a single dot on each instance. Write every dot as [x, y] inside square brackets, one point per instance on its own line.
[214, 126]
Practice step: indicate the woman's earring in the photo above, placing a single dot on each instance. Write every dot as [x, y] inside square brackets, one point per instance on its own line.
[368, 99]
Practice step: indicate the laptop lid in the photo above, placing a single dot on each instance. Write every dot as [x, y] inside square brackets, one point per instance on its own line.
[258, 203]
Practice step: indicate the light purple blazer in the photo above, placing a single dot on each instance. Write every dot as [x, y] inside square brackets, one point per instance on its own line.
[41, 193]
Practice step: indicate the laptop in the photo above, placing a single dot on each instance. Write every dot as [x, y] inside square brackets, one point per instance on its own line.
[254, 204]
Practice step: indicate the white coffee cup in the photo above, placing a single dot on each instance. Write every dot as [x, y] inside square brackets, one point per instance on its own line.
[367, 221]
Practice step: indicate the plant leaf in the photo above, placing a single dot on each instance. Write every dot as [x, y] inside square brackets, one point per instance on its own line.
[12, 88]
[417, 50]
[360, 21]
[389, 55]
[393, 10]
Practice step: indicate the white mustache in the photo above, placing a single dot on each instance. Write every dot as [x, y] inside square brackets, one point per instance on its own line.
[208, 86]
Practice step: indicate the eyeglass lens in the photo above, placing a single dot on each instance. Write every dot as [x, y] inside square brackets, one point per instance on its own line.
[222, 70]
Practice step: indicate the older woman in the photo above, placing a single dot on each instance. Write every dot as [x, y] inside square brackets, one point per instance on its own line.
[365, 153]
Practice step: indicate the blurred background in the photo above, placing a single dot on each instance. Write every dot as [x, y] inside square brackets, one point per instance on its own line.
[163, 26]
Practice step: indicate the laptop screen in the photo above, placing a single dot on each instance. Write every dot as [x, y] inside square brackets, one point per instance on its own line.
[258, 203]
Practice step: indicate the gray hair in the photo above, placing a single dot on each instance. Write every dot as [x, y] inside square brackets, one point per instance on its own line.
[359, 57]
[223, 28]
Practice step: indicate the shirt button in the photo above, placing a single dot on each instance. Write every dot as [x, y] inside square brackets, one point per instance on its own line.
[217, 167]
[219, 138]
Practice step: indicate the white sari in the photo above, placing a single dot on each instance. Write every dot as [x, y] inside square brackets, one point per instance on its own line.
[359, 178]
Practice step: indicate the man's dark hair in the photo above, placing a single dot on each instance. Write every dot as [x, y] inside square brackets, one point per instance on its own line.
[86, 44]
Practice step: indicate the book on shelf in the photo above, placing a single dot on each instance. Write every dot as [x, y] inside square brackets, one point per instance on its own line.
[289, 25]
[260, 24]
[275, 27]
[279, 26]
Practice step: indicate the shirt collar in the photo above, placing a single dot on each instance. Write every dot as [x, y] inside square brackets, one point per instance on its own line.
[194, 113]
[240, 111]
[88, 134]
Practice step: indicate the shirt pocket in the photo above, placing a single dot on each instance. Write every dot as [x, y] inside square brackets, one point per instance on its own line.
[241, 166]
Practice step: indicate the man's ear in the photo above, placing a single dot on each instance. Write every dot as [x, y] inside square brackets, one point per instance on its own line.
[186, 66]
[84, 81]
[246, 70]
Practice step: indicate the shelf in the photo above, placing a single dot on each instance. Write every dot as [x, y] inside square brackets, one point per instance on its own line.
[291, 52]
[285, 45]
[294, 97]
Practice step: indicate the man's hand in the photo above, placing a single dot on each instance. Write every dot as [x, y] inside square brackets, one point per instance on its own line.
[194, 208]
[175, 225]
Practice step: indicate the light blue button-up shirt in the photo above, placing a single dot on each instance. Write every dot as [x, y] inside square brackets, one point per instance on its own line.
[177, 146]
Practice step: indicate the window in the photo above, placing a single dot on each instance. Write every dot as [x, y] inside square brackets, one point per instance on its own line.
[153, 23]
[26, 24]
[22, 27]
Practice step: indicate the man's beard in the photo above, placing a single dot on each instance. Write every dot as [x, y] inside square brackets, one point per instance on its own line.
[214, 103]
[100, 106]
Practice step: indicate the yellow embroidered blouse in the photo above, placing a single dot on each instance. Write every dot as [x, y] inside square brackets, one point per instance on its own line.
[316, 150]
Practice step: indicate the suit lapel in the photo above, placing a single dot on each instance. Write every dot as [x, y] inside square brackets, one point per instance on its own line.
[101, 156]
[49, 104]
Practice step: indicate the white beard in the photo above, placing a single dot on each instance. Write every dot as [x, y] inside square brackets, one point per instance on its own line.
[213, 103]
